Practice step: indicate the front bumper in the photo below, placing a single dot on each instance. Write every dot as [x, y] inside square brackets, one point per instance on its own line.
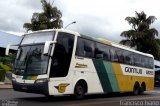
[39, 88]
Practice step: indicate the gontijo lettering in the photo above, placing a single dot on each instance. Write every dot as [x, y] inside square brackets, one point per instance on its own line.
[150, 72]
[133, 70]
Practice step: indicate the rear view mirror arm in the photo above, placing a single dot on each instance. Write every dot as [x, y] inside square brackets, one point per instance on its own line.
[8, 47]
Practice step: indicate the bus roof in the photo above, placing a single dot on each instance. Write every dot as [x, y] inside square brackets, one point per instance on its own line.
[46, 30]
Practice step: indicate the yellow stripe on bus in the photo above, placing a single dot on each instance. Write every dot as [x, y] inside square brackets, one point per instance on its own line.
[34, 77]
[105, 42]
[126, 82]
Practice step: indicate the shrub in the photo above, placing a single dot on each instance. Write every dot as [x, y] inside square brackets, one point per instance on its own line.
[5, 67]
[5, 60]
[2, 75]
[8, 60]
[3, 70]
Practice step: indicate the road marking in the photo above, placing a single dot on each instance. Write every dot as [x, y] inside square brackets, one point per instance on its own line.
[115, 101]
[142, 98]
[154, 91]
[93, 103]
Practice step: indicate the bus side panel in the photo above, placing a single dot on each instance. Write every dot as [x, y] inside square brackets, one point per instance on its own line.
[126, 82]
[59, 86]
[106, 75]
[103, 76]
[123, 81]
[84, 69]
[114, 79]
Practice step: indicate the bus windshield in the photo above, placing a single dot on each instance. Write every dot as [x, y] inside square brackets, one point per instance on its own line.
[38, 37]
[30, 59]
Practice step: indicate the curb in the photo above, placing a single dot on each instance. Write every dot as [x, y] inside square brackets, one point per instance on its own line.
[6, 86]
[157, 89]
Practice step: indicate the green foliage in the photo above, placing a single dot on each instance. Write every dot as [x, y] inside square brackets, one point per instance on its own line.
[48, 19]
[2, 75]
[8, 60]
[5, 60]
[141, 36]
[5, 67]
[3, 70]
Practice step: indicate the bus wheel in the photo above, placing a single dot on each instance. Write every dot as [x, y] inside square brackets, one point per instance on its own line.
[136, 89]
[79, 91]
[142, 89]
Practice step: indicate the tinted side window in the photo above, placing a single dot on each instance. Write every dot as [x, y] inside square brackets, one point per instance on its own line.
[66, 40]
[128, 57]
[144, 61]
[89, 47]
[85, 48]
[80, 47]
[114, 56]
[137, 60]
[120, 55]
[62, 55]
[151, 63]
[102, 51]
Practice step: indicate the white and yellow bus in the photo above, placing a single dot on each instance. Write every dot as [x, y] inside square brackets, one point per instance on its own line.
[63, 62]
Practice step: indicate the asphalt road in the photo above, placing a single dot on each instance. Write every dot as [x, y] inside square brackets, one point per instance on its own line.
[114, 99]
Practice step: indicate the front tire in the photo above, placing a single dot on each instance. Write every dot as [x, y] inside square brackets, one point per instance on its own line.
[79, 91]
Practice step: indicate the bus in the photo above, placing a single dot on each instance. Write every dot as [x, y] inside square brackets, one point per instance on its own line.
[63, 62]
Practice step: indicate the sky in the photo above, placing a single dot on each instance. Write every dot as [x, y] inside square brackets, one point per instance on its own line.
[97, 18]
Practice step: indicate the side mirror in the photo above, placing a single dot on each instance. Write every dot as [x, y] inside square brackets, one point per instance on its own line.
[8, 47]
[46, 46]
[7, 50]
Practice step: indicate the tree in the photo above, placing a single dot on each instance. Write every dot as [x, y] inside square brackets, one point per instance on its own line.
[48, 19]
[141, 36]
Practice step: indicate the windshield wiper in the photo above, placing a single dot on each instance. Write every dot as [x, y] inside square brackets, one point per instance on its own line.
[24, 63]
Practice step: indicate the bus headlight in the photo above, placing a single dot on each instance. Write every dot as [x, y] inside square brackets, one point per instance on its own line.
[41, 80]
[13, 79]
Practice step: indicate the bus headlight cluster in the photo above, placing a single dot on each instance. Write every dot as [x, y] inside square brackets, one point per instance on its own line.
[41, 80]
[13, 79]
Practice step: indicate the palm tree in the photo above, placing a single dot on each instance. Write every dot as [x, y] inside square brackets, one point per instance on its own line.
[141, 36]
[48, 19]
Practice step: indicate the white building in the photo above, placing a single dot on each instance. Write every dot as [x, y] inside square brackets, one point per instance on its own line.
[5, 39]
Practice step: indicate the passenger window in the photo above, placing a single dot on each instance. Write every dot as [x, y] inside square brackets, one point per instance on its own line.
[144, 61]
[150, 63]
[85, 48]
[89, 48]
[98, 53]
[120, 56]
[102, 51]
[137, 60]
[80, 47]
[62, 55]
[114, 57]
[128, 57]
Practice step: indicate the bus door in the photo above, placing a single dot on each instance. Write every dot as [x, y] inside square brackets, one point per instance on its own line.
[60, 64]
